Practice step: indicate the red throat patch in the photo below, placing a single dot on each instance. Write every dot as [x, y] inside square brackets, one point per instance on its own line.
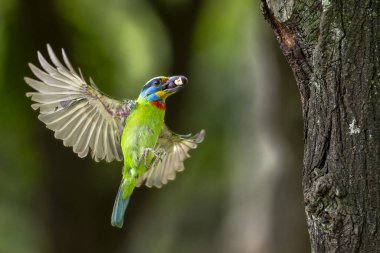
[158, 105]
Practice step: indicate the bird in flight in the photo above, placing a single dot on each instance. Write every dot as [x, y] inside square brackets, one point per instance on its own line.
[131, 130]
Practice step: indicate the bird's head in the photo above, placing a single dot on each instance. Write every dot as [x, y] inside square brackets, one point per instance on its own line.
[159, 88]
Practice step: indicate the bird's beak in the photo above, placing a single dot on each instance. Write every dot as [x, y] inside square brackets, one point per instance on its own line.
[175, 84]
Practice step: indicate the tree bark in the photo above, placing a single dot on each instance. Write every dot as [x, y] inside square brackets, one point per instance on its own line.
[333, 48]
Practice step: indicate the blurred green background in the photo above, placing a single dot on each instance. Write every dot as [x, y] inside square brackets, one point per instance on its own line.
[241, 190]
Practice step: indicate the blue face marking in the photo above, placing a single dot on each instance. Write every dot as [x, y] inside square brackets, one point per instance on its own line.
[150, 88]
[153, 97]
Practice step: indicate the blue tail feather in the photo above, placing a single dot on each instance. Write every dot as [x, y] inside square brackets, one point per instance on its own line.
[119, 208]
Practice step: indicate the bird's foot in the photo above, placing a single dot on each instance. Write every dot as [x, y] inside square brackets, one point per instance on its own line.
[161, 153]
[158, 154]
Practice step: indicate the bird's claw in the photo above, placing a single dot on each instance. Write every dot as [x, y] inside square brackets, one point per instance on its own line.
[158, 154]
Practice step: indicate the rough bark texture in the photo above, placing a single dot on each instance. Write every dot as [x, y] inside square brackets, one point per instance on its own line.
[333, 48]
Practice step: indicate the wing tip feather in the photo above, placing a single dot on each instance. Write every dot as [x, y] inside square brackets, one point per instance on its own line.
[200, 136]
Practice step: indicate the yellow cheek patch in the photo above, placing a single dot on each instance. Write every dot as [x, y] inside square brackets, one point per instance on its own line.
[162, 94]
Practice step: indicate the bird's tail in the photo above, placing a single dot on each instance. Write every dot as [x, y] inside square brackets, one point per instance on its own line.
[121, 203]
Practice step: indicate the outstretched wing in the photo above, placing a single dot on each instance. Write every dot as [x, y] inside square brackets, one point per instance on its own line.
[176, 149]
[78, 113]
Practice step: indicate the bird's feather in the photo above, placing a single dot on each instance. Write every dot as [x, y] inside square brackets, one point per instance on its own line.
[176, 149]
[121, 204]
[78, 113]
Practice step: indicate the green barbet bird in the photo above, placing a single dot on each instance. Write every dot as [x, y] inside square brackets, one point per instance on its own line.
[133, 130]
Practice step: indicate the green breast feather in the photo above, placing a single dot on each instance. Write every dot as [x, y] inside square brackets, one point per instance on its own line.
[141, 131]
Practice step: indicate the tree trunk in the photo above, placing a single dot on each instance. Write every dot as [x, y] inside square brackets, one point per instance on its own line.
[333, 48]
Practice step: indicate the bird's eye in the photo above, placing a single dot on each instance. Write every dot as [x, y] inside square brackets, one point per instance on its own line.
[156, 83]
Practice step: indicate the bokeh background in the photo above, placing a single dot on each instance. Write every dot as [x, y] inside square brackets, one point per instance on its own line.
[241, 190]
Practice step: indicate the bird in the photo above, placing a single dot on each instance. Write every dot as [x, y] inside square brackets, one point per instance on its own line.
[131, 131]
